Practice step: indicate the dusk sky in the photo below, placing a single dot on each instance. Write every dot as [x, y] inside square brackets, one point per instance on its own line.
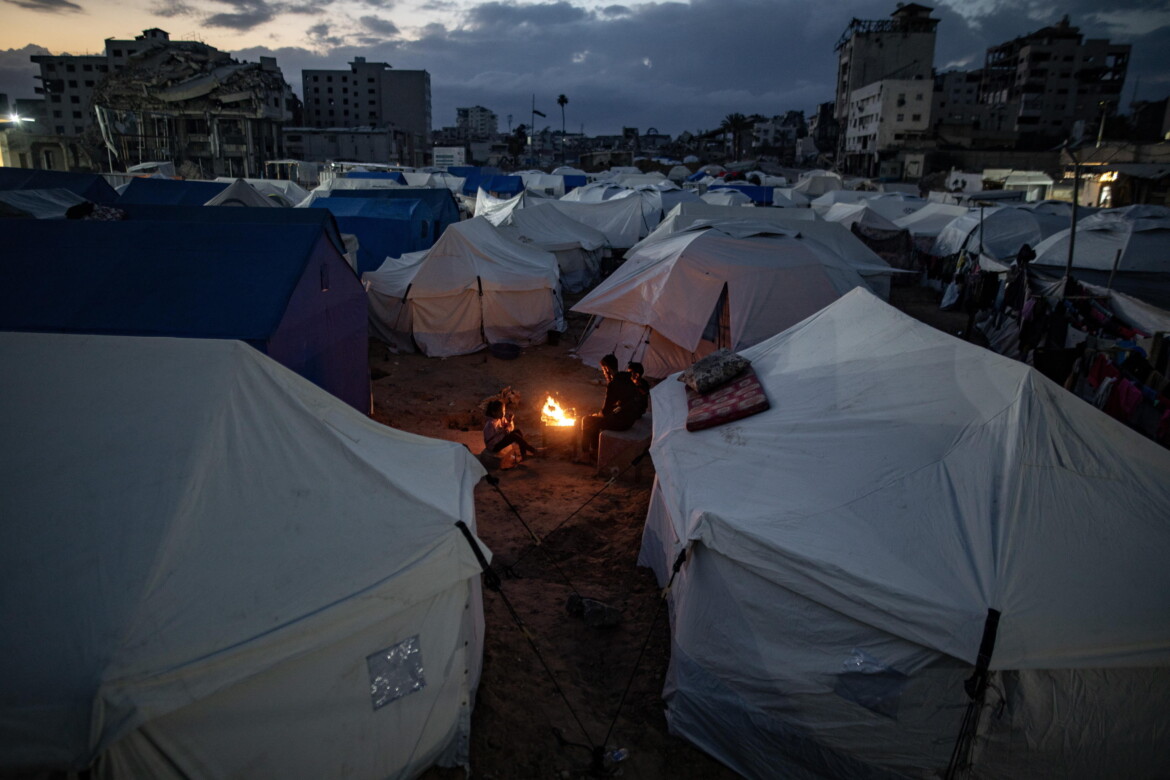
[673, 66]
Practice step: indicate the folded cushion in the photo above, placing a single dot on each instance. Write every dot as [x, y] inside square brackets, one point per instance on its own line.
[742, 397]
[714, 370]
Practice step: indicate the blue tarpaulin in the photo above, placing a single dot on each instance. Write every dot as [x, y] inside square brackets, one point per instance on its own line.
[384, 227]
[758, 194]
[444, 209]
[90, 186]
[505, 186]
[282, 288]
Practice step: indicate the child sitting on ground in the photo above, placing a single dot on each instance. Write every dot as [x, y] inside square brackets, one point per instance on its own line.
[499, 431]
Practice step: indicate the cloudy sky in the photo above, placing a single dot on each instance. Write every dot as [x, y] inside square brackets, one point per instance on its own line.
[673, 66]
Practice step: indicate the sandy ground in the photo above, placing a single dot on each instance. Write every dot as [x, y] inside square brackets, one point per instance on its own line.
[529, 721]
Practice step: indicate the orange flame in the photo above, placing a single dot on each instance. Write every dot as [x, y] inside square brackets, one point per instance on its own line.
[554, 414]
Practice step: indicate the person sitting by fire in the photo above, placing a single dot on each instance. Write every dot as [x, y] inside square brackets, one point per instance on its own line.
[624, 404]
[500, 431]
[636, 372]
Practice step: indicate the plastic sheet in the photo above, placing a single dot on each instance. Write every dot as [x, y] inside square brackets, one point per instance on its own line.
[396, 672]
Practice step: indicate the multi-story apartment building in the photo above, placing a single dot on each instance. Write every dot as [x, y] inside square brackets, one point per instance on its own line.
[372, 94]
[1053, 79]
[477, 122]
[901, 47]
[877, 60]
[884, 115]
[960, 119]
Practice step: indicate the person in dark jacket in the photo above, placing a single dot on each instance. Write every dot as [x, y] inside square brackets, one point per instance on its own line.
[624, 404]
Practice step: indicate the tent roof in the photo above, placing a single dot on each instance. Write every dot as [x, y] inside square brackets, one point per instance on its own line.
[469, 254]
[90, 186]
[42, 204]
[547, 226]
[175, 537]
[912, 481]
[241, 193]
[170, 192]
[373, 208]
[152, 277]
[774, 278]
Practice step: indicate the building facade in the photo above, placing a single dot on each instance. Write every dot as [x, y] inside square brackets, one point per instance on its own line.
[477, 123]
[896, 52]
[1054, 83]
[372, 94]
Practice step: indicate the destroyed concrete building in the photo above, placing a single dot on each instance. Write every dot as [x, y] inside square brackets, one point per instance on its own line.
[191, 104]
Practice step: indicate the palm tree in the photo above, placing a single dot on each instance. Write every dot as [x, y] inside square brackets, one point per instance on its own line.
[561, 101]
[736, 124]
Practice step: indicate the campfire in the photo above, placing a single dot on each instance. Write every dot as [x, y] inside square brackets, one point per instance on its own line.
[555, 416]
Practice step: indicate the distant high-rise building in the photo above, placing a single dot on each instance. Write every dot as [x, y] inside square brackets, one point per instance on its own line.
[372, 94]
[477, 123]
[1051, 79]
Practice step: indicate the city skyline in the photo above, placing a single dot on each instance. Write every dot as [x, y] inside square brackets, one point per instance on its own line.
[670, 66]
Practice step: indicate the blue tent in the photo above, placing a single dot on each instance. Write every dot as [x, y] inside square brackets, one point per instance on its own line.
[573, 181]
[90, 186]
[285, 289]
[758, 194]
[322, 219]
[388, 175]
[504, 186]
[444, 209]
[384, 227]
[172, 192]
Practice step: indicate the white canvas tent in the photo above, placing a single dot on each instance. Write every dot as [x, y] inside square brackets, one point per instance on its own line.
[624, 220]
[473, 288]
[1136, 239]
[995, 232]
[845, 546]
[728, 286]
[577, 247]
[848, 214]
[212, 568]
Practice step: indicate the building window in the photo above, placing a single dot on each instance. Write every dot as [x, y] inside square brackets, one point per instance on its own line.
[72, 84]
[316, 78]
[316, 90]
[55, 98]
[74, 99]
[370, 80]
[916, 117]
[103, 68]
[60, 129]
[71, 68]
[56, 114]
[77, 115]
[901, 118]
[51, 67]
[329, 90]
[117, 52]
[87, 68]
[329, 78]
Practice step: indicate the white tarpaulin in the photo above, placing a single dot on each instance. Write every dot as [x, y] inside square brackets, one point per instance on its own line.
[733, 285]
[578, 248]
[997, 232]
[1135, 238]
[240, 193]
[847, 544]
[474, 287]
[213, 568]
[623, 219]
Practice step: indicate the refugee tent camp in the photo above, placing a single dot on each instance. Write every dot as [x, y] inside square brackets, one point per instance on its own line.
[282, 191]
[904, 491]
[577, 247]
[441, 202]
[281, 286]
[1135, 239]
[473, 288]
[927, 222]
[727, 285]
[728, 196]
[214, 569]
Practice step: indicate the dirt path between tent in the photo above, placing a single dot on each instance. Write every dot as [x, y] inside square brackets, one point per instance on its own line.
[525, 725]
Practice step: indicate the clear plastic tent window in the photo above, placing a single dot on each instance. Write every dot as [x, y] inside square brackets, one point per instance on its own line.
[396, 672]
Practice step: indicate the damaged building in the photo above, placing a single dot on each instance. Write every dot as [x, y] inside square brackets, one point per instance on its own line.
[191, 104]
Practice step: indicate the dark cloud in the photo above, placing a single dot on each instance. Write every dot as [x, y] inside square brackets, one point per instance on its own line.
[615, 11]
[516, 18]
[18, 73]
[379, 26]
[247, 15]
[438, 5]
[49, 6]
[172, 8]
[324, 37]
